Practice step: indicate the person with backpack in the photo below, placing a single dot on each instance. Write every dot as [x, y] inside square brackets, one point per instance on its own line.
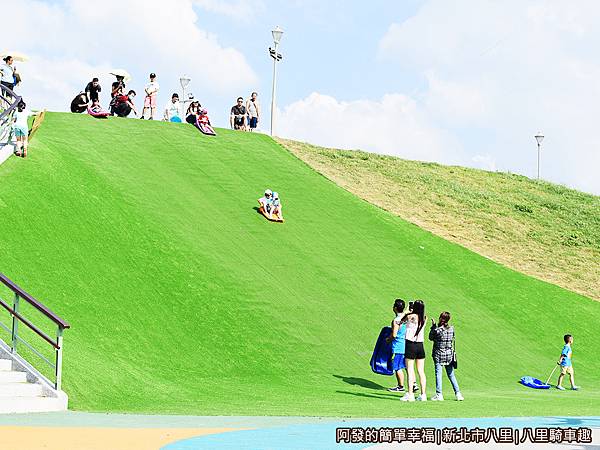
[444, 355]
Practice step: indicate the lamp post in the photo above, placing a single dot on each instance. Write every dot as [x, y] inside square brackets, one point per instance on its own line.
[539, 138]
[184, 81]
[277, 33]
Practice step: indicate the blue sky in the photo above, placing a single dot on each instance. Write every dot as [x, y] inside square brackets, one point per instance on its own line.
[466, 82]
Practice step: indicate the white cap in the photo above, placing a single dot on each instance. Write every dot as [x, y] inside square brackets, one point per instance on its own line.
[275, 195]
[268, 192]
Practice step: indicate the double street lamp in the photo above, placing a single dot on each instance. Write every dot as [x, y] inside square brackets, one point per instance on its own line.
[277, 33]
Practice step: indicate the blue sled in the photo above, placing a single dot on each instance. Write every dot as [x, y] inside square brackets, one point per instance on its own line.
[533, 383]
[381, 361]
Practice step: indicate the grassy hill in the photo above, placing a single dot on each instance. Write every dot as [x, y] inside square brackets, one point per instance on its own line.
[542, 229]
[183, 299]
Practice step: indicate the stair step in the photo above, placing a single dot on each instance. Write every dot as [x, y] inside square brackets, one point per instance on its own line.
[19, 390]
[12, 377]
[5, 364]
[12, 405]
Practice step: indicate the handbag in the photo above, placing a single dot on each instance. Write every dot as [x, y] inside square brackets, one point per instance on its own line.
[454, 362]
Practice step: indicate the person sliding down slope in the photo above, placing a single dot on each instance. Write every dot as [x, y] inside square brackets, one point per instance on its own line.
[276, 208]
[266, 202]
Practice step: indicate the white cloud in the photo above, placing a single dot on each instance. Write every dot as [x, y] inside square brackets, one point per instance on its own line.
[395, 125]
[242, 10]
[498, 72]
[71, 41]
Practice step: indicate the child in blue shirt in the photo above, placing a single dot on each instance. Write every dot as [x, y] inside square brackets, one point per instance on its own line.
[566, 366]
[397, 339]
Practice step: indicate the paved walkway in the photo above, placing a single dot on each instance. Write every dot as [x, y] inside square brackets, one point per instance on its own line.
[88, 431]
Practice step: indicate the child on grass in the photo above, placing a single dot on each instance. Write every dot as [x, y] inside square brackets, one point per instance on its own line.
[21, 128]
[566, 366]
[397, 339]
[277, 210]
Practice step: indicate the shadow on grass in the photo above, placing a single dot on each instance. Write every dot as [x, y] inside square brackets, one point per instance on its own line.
[361, 382]
[375, 396]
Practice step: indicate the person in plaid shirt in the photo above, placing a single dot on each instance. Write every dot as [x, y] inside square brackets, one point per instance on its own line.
[442, 336]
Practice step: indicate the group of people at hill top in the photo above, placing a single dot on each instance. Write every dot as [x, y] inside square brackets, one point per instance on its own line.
[407, 337]
[243, 115]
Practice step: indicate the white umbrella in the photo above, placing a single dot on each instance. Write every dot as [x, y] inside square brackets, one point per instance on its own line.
[17, 56]
[121, 73]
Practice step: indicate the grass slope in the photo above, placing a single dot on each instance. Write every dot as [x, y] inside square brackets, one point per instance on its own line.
[184, 300]
[542, 229]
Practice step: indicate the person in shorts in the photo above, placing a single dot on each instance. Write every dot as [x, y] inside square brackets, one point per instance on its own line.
[253, 110]
[237, 117]
[266, 202]
[397, 339]
[21, 128]
[566, 365]
[414, 352]
[151, 90]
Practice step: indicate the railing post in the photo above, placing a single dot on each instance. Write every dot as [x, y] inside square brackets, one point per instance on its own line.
[15, 326]
[59, 343]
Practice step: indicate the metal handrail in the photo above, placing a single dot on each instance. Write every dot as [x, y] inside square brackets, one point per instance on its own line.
[33, 302]
[17, 317]
[6, 115]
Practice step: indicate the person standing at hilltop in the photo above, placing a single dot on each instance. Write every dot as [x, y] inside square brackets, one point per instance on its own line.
[237, 117]
[151, 90]
[253, 109]
[93, 89]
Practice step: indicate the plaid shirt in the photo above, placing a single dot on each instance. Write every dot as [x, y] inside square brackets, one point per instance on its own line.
[442, 338]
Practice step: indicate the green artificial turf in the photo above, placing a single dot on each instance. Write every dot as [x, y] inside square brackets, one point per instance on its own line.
[183, 299]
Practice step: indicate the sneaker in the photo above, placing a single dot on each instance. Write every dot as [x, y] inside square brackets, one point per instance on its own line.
[142, 118]
[408, 398]
[437, 398]
[396, 389]
[574, 388]
[459, 397]
[422, 398]
[560, 388]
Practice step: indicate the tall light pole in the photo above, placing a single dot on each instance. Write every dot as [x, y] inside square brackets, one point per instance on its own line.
[539, 138]
[184, 81]
[277, 33]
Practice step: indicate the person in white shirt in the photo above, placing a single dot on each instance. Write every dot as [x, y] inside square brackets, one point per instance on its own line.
[151, 90]
[253, 109]
[21, 128]
[7, 77]
[173, 109]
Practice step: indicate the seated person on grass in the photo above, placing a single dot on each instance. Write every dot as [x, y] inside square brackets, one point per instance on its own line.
[276, 208]
[124, 104]
[266, 202]
[79, 103]
[172, 111]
